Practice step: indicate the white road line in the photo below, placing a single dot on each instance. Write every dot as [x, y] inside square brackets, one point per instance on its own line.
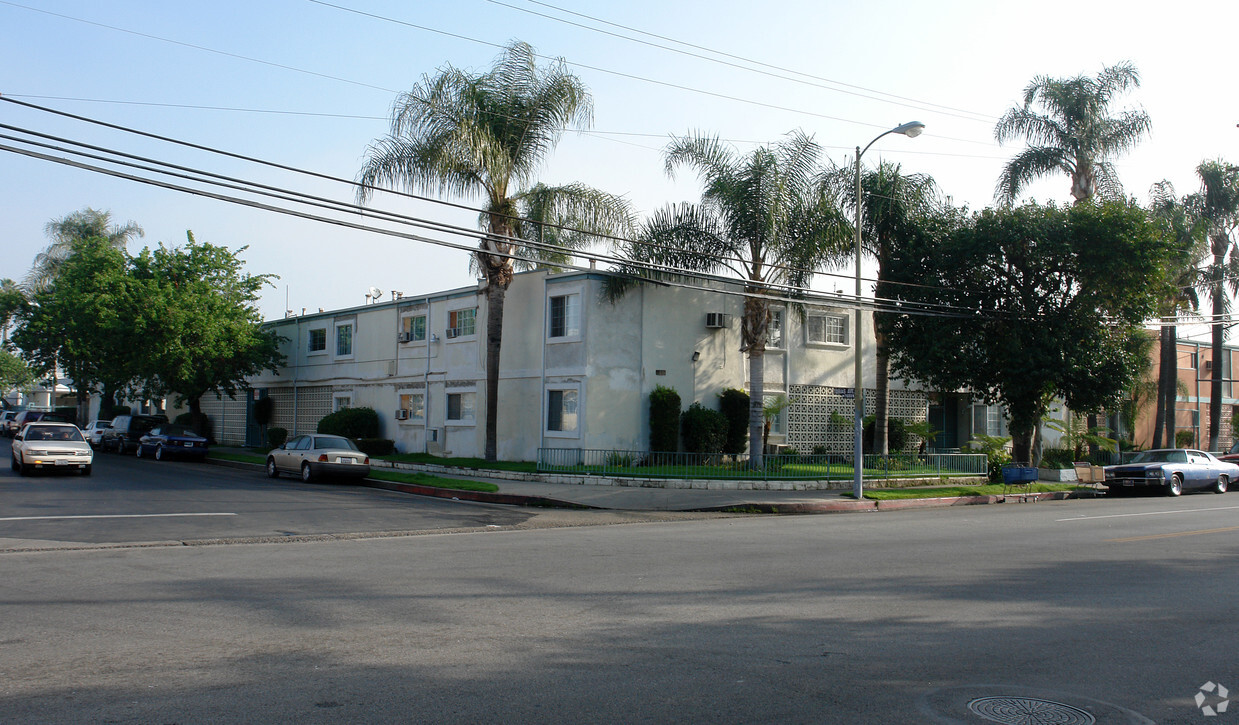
[1149, 513]
[106, 516]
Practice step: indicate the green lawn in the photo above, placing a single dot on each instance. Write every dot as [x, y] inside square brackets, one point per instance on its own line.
[421, 479]
[519, 466]
[953, 491]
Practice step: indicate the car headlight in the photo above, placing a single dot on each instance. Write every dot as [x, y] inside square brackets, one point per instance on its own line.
[1155, 473]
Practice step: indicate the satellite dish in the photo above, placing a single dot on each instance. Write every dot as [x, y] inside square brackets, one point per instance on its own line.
[375, 293]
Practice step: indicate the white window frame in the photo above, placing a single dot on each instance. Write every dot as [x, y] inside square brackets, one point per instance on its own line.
[310, 337]
[844, 326]
[352, 339]
[575, 390]
[574, 312]
[346, 395]
[407, 326]
[447, 408]
[460, 335]
[416, 415]
[778, 321]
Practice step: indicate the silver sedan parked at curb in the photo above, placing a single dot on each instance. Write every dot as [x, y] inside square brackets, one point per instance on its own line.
[318, 455]
[51, 447]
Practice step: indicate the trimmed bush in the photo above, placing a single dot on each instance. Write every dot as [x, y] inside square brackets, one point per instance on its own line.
[1057, 458]
[276, 437]
[705, 430]
[1184, 438]
[734, 404]
[355, 423]
[664, 420]
[376, 446]
[896, 435]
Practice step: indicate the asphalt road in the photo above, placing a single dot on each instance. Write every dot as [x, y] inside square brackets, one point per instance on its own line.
[1114, 610]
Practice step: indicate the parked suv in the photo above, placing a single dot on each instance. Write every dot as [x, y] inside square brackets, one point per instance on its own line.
[30, 416]
[127, 430]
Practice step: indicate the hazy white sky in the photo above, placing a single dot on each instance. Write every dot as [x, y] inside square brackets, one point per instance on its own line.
[317, 82]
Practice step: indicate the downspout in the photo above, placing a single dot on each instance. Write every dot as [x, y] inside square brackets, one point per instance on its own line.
[430, 338]
[542, 385]
[296, 374]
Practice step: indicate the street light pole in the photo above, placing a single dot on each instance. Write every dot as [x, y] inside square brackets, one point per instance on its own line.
[911, 130]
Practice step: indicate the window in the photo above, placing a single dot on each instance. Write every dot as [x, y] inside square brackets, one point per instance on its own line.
[460, 406]
[318, 340]
[415, 403]
[462, 323]
[1193, 360]
[565, 316]
[415, 327]
[340, 402]
[827, 329]
[776, 422]
[344, 340]
[774, 334]
[561, 410]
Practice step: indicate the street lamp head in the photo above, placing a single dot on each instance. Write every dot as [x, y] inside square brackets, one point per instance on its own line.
[911, 129]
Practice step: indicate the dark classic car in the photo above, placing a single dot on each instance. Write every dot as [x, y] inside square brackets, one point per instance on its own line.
[1171, 470]
[172, 440]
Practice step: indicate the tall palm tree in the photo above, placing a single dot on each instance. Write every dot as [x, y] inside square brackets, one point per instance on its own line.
[486, 136]
[1216, 205]
[1185, 276]
[893, 203]
[762, 218]
[1074, 132]
[68, 229]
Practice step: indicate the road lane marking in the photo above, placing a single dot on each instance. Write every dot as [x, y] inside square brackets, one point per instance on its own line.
[1148, 513]
[105, 516]
[1151, 537]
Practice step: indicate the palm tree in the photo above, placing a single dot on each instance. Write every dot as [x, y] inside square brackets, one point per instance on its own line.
[486, 136]
[1216, 205]
[1073, 134]
[1184, 277]
[893, 203]
[70, 228]
[763, 218]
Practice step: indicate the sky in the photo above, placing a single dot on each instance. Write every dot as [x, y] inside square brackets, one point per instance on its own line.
[309, 84]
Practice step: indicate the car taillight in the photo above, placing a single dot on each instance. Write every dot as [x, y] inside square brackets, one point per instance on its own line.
[367, 461]
[322, 458]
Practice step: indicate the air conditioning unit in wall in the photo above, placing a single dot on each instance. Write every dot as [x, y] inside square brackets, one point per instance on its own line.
[716, 320]
[403, 337]
[451, 332]
[432, 435]
[402, 414]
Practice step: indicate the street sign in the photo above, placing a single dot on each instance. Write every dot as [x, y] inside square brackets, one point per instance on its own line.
[849, 393]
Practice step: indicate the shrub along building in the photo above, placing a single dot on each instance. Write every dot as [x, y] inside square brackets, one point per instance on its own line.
[577, 369]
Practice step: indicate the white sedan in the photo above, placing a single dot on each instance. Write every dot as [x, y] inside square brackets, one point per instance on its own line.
[51, 446]
[94, 432]
[318, 455]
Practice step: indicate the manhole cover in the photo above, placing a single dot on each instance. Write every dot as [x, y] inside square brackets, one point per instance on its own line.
[1029, 711]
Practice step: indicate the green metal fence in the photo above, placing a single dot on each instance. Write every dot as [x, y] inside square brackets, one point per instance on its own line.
[643, 464]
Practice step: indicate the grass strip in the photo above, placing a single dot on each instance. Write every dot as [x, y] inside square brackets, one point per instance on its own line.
[955, 491]
[238, 457]
[425, 479]
[426, 458]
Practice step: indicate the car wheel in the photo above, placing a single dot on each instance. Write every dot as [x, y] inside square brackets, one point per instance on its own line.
[1223, 483]
[158, 453]
[136, 451]
[307, 475]
[1175, 487]
[23, 469]
[14, 462]
[272, 471]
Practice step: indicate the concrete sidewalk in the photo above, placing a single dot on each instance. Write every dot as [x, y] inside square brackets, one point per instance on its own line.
[638, 498]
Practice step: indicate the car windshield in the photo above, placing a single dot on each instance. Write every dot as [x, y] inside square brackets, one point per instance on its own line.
[53, 433]
[1161, 457]
[334, 442]
[178, 430]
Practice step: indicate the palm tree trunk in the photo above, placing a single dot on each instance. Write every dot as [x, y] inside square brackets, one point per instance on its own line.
[1172, 387]
[1163, 382]
[757, 402]
[881, 393]
[1215, 387]
[496, 295]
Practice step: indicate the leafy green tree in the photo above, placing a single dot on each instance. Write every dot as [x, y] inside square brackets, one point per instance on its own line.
[85, 224]
[764, 218]
[15, 374]
[1216, 206]
[894, 202]
[203, 331]
[1049, 301]
[1069, 127]
[487, 135]
[12, 302]
[82, 321]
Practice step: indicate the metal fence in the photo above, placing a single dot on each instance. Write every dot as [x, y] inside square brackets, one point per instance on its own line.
[644, 464]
